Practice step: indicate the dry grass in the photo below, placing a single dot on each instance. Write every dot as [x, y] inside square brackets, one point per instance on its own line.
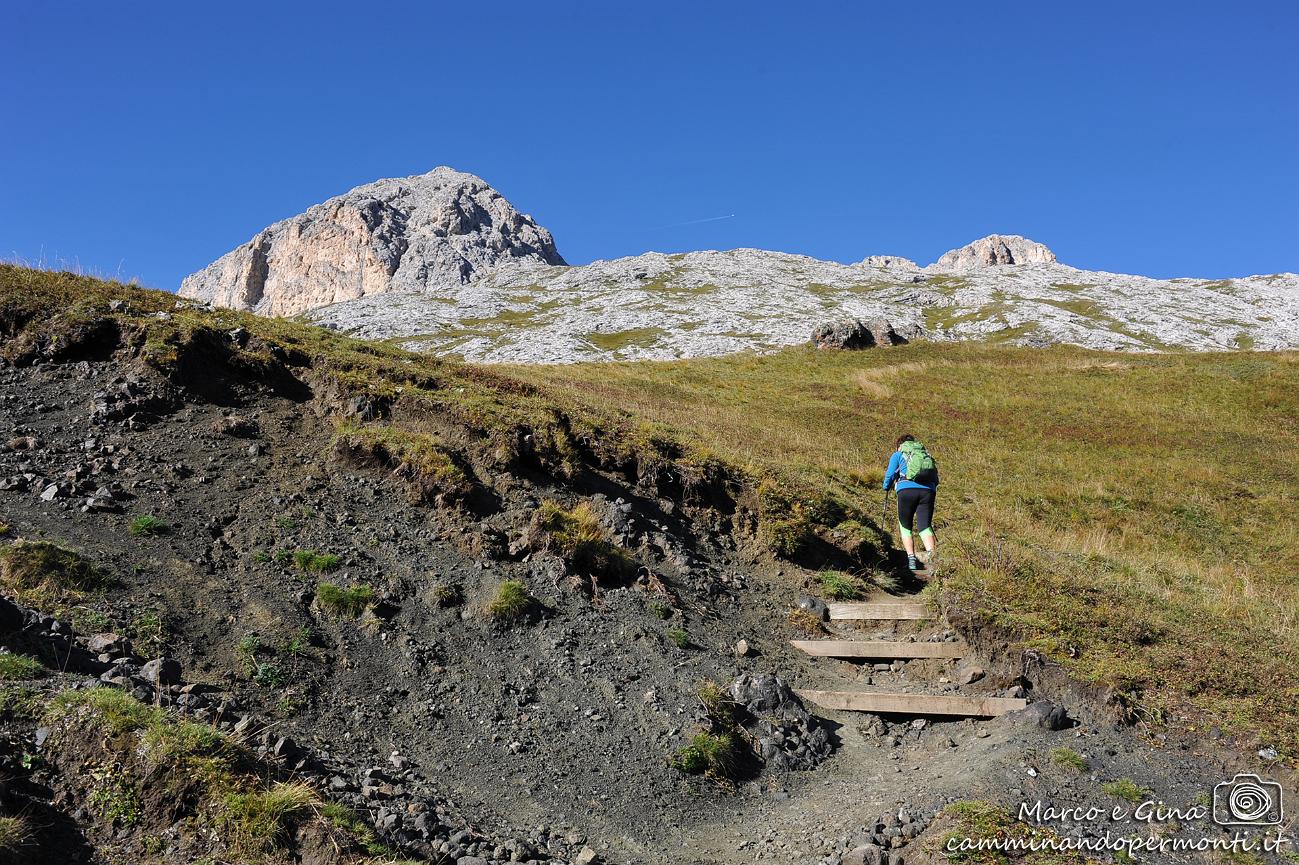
[1110, 510]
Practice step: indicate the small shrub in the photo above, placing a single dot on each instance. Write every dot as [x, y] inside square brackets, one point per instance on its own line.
[286, 524]
[116, 711]
[312, 562]
[146, 525]
[261, 557]
[678, 638]
[660, 610]
[260, 822]
[838, 586]
[14, 833]
[269, 676]
[282, 557]
[1070, 758]
[718, 706]
[715, 754]
[1125, 788]
[14, 667]
[783, 521]
[512, 602]
[341, 601]
[448, 595]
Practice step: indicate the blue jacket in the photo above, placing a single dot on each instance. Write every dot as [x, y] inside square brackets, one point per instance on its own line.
[894, 471]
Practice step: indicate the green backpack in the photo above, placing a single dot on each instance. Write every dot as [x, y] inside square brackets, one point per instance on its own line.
[917, 461]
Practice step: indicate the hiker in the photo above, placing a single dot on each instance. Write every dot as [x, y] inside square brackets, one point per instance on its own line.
[916, 476]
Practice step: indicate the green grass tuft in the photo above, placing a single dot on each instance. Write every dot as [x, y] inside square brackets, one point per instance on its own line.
[114, 710]
[351, 601]
[15, 667]
[15, 832]
[46, 576]
[147, 526]
[512, 602]
[312, 562]
[719, 755]
[1070, 758]
[838, 586]
[678, 637]
[261, 822]
[169, 742]
[1125, 788]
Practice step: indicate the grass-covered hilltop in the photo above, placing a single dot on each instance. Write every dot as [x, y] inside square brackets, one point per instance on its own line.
[274, 594]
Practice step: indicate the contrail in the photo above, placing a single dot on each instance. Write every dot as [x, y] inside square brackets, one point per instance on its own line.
[693, 222]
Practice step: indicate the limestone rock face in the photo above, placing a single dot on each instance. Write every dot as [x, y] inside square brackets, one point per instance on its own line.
[994, 250]
[889, 261]
[423, 233]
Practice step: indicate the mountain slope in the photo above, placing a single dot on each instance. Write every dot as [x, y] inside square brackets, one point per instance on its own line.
[317, 534]
[701, 304]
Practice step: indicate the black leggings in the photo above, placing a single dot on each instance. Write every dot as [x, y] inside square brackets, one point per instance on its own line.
[916, 509]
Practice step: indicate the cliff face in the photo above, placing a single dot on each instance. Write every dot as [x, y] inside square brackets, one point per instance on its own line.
[423, 233]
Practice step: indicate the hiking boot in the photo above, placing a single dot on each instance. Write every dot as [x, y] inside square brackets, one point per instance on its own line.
[913, 563]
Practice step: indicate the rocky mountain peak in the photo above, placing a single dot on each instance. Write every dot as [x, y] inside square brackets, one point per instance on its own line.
[419, 233]
[995, 250]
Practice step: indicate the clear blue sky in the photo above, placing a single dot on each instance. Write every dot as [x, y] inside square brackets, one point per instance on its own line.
[1157, 137]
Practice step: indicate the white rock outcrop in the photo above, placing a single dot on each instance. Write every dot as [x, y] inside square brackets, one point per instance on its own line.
[430, 232]
[995, 250]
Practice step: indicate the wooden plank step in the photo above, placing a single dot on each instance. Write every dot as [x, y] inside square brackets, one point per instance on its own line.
[914, 704]
[880, 649]
[882, 610]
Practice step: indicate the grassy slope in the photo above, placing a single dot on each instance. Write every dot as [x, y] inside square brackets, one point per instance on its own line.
[1131, 515]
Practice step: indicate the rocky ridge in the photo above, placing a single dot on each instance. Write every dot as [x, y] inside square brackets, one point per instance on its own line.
[442, 263]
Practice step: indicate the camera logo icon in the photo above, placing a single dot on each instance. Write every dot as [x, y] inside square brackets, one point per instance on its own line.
[1247, 800]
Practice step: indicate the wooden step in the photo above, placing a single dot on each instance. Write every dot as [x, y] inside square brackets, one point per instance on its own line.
[880, 649]
[882, 610]
[914, 704]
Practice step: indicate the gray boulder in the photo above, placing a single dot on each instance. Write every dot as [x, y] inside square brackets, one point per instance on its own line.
[1044, 714]
[852, 333]
[864, 854]
[788, 736]
[161, 671]
[815, 606]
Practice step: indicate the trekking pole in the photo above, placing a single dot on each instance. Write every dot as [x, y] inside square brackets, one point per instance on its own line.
[884, 514]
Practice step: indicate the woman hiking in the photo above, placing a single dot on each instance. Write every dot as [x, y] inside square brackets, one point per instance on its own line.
[916, 475]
